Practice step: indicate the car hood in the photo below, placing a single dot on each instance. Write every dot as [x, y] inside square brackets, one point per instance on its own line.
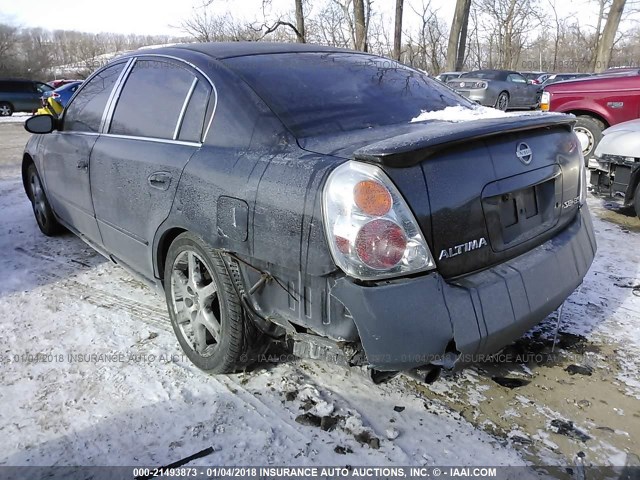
[630, 126]
[620, 142]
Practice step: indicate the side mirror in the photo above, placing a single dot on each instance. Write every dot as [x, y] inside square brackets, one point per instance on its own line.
[40, 124]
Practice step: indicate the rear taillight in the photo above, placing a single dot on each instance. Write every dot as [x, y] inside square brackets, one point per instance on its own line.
[372, 234]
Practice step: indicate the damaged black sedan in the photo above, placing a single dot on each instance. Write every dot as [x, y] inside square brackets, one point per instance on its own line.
[294, 193]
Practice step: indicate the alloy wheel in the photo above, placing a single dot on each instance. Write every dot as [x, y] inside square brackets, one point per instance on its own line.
[38, 199]
[5, 110]
[194, 294]
[503, 102]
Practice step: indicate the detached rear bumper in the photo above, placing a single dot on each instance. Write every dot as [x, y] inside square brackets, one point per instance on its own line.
[409, 323]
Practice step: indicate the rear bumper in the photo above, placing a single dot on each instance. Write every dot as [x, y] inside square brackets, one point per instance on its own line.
[482, 97]
[408, 323]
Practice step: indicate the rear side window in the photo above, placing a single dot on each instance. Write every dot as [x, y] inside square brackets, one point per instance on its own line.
[84, 114]
[193, 121]
[151, 100]
[17, 87]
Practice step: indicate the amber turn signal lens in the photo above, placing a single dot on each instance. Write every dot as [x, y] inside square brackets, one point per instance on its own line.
[372, 198]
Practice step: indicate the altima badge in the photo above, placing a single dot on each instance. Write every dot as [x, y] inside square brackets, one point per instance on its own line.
[464, 248]
[524, 153]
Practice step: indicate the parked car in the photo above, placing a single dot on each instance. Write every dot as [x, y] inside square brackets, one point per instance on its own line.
[292, 207]
[62, 94]
[617, 163]
[446, 76]
[599, 102]
[502, 89]
[20, 96]
[561, 77]
[536, 78]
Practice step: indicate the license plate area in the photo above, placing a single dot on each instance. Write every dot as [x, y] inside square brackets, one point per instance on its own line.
[520, 208]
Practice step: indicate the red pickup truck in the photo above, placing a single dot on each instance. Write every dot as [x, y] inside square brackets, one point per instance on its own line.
[599, 102]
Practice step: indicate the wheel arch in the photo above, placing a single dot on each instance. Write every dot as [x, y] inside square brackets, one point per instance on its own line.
[589, 113]
[26, 162]
[163, 242]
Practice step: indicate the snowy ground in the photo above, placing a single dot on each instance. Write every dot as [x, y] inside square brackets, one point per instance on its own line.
[92, 374]
[18, 117]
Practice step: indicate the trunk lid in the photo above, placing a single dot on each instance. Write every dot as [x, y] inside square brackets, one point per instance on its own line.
[495, 188]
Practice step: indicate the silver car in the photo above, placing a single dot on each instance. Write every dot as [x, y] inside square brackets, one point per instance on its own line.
[502, 89]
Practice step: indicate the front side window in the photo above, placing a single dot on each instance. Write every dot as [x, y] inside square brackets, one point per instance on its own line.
[84, 114]
[43, 87]
[517, 78]
[151, 100]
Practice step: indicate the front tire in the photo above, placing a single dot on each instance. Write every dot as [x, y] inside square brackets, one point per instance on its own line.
[45, 218]
[636, 200]
[206, 313]
[502, 103]
[589, 132]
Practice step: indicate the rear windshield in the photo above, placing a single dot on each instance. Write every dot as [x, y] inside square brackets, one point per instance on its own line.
[488, 74]
[321, 93]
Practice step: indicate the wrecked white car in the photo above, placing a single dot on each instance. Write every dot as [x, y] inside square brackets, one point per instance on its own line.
[617, 163]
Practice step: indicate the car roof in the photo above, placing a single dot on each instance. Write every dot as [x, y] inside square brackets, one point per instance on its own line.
[19, 80]
[222, 50]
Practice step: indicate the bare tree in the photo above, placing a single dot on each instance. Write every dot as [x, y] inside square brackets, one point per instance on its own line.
[270, 26]
[605, 45]
[458, 35]
[397, 31]
[558, 28]
[512, 21]
[360, 25]
[300, 31]
[427, 51]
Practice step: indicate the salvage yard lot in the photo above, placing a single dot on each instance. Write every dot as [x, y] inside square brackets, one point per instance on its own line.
[92, 373]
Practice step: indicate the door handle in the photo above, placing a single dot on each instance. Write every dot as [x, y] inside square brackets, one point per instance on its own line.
[160, 180]
[82, 165]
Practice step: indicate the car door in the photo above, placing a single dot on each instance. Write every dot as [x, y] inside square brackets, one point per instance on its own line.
[155, 126]
[518, 89]
[23, 93]
[66, 153]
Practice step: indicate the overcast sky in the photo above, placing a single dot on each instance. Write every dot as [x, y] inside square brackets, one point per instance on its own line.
[162, 16]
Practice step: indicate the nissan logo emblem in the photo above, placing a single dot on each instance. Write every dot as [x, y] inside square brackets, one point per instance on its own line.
[524, 153]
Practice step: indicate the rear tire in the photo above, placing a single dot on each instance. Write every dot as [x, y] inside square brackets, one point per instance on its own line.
[502, 102]
[6, 109]
[45, 217]
[206, 313]
[589, 132]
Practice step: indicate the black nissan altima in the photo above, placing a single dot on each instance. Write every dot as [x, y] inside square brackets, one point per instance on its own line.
[290, 193]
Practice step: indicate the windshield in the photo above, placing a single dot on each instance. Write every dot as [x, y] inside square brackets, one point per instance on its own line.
[320, 93]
